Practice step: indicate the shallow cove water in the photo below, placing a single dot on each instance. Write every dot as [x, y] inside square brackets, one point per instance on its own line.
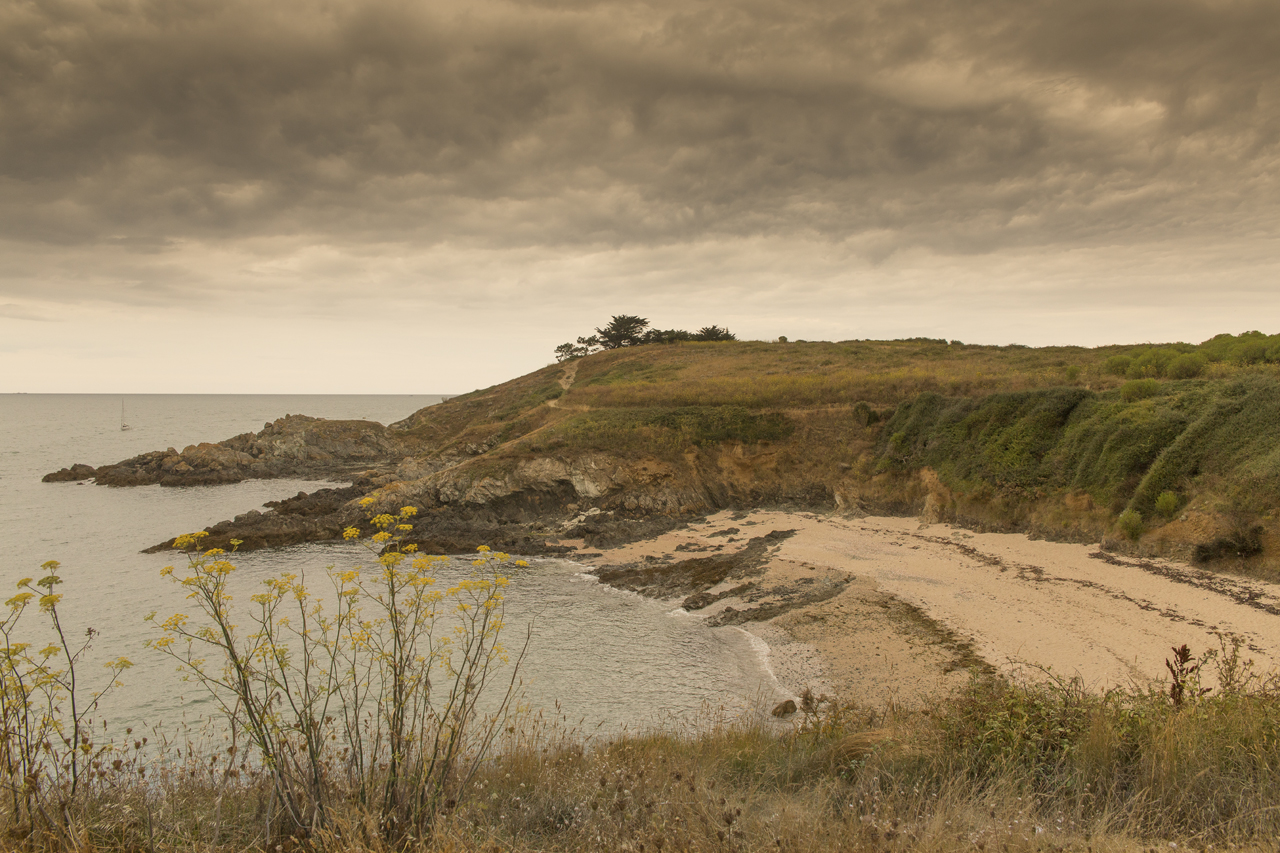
[606, 659]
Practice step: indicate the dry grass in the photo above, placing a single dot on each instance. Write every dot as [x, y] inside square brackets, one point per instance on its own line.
[802, 375]
[1004, 766]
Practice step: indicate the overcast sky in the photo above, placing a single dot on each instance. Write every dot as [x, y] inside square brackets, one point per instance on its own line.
[394, 196]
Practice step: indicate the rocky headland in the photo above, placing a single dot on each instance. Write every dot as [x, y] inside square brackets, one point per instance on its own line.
[630, 443]
[292, 446]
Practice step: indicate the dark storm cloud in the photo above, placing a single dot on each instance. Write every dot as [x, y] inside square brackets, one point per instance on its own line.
[960, 126]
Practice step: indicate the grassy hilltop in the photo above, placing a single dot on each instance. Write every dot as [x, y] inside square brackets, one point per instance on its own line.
[1171, 449]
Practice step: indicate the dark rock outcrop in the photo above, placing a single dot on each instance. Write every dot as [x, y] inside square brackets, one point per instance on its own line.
[293, 446]
[693, 577]
[781, 599]
[306, 517]
[453, 535]
[69, 475]
[610, 530]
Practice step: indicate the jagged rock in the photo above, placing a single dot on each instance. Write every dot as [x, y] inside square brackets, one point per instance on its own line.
[691, 577]
[607, 531]
[781, 599]
[306, 517]
[701, 600]
[72, 474]
[293, 446]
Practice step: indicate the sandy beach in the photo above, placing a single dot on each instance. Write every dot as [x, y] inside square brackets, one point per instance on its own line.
[911, 608]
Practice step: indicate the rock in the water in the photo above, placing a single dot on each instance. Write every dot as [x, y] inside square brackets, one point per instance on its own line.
[313, 517]
[72, 474]
[293, 446]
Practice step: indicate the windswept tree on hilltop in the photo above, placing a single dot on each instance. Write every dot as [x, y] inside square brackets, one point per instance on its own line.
[714, 333]
[624, 330]
[628, 330]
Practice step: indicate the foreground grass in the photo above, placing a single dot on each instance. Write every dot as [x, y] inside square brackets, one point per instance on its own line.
[1004, 765]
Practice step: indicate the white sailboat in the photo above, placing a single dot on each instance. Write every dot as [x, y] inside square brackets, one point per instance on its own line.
[123, 424]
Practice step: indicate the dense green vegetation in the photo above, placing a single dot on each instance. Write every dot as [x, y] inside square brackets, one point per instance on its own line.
[1127, 453]
[1184, 361]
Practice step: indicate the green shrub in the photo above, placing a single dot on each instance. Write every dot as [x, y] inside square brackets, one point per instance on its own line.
[1247, 348]
[1139, 389]
[1117, 365]
[1186, 366]
[1151, 363]
[1130, 523]
[1167, 504]
[1251, 352]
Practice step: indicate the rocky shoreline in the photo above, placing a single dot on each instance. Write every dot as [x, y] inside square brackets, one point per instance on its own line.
[463, 500]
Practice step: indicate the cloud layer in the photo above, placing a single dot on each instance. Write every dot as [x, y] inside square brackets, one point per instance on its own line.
[153, 151]
[963, 126]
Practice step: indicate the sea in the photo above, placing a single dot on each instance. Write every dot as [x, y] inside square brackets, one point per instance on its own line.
[598, 660]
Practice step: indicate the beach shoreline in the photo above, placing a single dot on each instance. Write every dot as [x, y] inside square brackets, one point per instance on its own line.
[879, 610]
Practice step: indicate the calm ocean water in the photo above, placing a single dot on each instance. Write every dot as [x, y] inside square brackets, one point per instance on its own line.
[607, 658]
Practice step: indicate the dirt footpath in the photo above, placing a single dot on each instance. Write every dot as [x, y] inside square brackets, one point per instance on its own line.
[919, 605]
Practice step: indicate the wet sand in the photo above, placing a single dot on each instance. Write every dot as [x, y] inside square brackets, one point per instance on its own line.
[924, 604]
